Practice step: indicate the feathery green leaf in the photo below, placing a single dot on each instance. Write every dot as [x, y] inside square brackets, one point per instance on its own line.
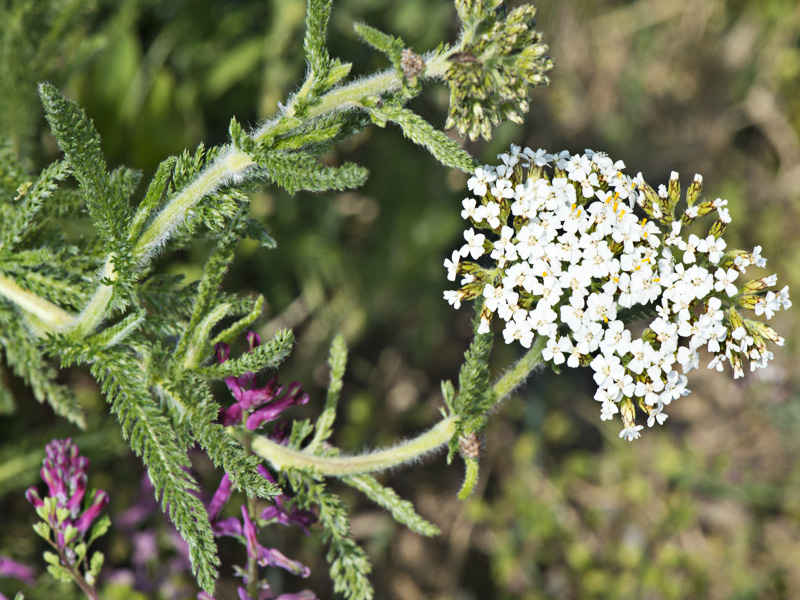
[402, 510]
[418, 130]
[267, 355]
[77, 137]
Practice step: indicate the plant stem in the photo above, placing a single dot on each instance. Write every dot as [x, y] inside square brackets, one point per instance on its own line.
[229, 166]
[283, 458]
[252, 561]
[50, 316]
[517, 374]
[351, 95]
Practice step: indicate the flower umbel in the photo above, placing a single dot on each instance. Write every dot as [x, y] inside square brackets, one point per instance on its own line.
[579, 249]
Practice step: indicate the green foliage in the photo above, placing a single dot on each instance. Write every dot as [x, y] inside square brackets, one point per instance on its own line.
[390, 45]
[418, 130]
[475, 394]
[152, 438]
[349, 564]
[200, 411]
[300, 171]
[401, 510]
[337, 361]
[106, 200]
[267, 355]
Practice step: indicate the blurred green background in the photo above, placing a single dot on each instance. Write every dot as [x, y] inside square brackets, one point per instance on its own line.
[706, 507]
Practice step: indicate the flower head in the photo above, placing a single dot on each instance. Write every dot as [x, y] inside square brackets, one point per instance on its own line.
[581, 249]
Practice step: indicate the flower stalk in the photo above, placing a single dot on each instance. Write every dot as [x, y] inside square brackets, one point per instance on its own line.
[283, 458]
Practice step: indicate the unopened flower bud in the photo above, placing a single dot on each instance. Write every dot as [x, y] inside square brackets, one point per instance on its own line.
[694, 190]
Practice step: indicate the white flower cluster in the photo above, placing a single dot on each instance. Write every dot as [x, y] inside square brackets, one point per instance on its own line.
[578, 249]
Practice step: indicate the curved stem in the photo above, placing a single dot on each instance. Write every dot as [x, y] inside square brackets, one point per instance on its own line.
[51, 316]
[229, 166]
[517, 374]
[282, 457]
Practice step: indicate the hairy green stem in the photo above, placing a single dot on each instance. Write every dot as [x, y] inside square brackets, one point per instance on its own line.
[95, 309]
[49, 315]
[517, 374]
[230, 166]
[351, 96]
[282, 457]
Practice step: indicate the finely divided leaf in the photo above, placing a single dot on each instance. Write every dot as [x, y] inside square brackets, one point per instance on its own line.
[151, 437]
[297, 171]
[15, 228]
[319, 11]
[402, 510]
[223, 449]
[418, 130]
[267, 355]
[80, 142]
[337, 362]
[388, 44]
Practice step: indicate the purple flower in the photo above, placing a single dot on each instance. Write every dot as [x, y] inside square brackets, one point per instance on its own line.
[11, 568]
[257, 405]
[253, 407]
[64, 471]
[279, 513]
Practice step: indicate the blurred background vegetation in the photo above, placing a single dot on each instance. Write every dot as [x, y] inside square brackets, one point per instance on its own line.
[706, 507]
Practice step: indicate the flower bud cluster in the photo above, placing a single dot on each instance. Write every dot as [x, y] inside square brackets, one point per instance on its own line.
[500, 56]
[578, 249]
[63, 509]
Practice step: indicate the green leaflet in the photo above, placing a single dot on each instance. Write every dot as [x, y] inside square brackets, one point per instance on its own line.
[418, 130]
[298, 171]
[317, 16]
[475, 395]
[388, 44]
[202, 412]
[402, 510]
[267, 355]
[337, 361]
[151, 437]
[15, 228]
[349, 564]
[106, 197]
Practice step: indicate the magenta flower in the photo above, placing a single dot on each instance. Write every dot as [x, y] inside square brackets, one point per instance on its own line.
[253, 407]
[64, 471]
[256, 405]
[11, 568]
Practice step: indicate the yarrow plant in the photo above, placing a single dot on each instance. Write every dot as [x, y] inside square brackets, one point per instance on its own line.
[574, 249]
[565, 250]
